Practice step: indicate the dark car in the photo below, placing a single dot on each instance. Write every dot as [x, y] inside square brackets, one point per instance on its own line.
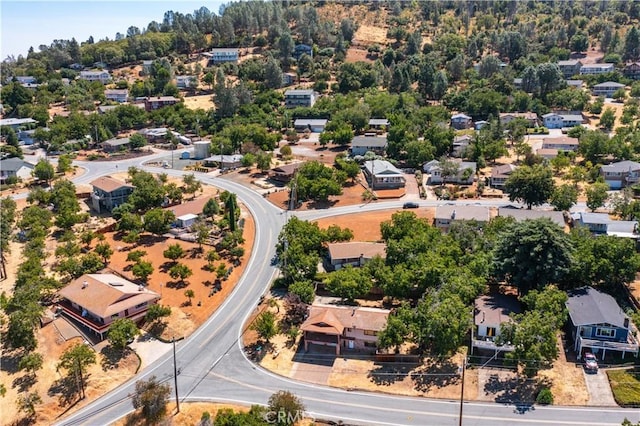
[590, 362]
[410, 205]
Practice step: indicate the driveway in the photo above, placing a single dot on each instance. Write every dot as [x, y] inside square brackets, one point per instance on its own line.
[149, 348]
[314, 366]
[599, 389]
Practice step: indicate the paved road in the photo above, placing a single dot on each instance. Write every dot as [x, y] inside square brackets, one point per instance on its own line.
[213, 366]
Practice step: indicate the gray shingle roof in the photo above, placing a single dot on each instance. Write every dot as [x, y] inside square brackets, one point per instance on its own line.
[589, 306]
[621, 167]
[14, 164]
[365, 141]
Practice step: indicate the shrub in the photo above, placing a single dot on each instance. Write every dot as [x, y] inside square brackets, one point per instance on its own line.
[544, 397]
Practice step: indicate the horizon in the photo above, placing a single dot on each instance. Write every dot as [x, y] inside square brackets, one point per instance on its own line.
[27, 23]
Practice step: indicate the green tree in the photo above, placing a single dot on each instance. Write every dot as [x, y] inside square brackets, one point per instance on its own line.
[142, 270]
[28, 402]
[121, 332]
[532, 254]
[135, 255]
[76, 359]
[265, 325]
[304, 290]
[43, 170]
[181, 272]
[105, 251]
[174, 252]
[151, 397]
[607, 119]
[190, 184]
[395, 332]
[285, 406]
[597, 195]
[564, 197]
[155, 312]
[189, 294]
[64, 164]
[211, 208]
[531, 185]
[31, 362]
[158, 221]
[137, 141]
[348, 283]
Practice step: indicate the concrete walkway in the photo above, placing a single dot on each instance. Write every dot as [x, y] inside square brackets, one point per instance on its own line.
[600, 394]
[149, 348]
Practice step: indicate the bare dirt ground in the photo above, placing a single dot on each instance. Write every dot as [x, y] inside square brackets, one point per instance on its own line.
[204, 102]
[355, 54]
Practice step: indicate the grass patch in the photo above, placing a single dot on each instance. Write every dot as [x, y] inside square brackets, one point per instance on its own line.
[625, 385]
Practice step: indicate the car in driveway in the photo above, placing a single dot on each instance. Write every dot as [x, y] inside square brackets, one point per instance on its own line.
[410, 205]
[590, 363]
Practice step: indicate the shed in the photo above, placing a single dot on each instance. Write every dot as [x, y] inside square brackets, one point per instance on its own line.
[186, 220]
[185, 155]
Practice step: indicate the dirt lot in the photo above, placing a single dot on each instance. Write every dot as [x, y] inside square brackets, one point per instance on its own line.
[204, 102]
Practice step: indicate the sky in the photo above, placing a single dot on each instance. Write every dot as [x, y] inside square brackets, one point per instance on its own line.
[26, 23]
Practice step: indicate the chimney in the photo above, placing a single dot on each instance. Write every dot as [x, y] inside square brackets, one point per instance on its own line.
[85, 284]
[140, 287]
[353, 311]
[482, 316]
[453, 214]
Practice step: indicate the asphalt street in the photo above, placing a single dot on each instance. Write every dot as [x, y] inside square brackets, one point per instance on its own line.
[213, 367]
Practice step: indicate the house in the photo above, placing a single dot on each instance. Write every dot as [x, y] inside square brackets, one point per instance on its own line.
[606, 89]
[147, 65]
[302, 49]
[601, 224]
[521, 215]
[25, 79]
[562, 143]
[378, 123]
[460, 145]
[117, 95]
[558, 120]
[464, 175]
[621, 174]
[517, 83]
[17, 123]
[632, 70]
[284, 173]
[593, 69]
[461, 121]
[381, 174]
[187, 212]
[157, 102]
[576, 84]
[76, 66]
[313, 125]
[360, 145]
[570, 67]
[445, 215]
[224, 162]
[288, 78]
[100, 75]
[490, 312]
[115, 145]
[508, 117]
[221, 55]
[300, 98]
[345, 328]
[478, 125]
[598, 324]
[97, 300]
[355, 253]
[15, 166]
[186, 81]
[109, 193]
[547, 153]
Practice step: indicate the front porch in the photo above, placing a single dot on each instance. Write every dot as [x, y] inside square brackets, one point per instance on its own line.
[595, 346]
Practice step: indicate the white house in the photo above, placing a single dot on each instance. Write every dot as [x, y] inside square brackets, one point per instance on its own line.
[445, 215]
[300, 98]
[100, 75]
[15, 167]
[381, 174]
[360, 145]
[221, 55]
[606, 89]
[593, 69]
[558, 120]
[186, 81]
[461, 121]
[314, 125]
[490, 313]
[116, 95]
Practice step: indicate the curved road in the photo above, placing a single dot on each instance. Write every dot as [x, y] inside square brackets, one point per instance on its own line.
[213, 367]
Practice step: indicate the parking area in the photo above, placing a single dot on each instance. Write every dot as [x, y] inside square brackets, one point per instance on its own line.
[600, 394]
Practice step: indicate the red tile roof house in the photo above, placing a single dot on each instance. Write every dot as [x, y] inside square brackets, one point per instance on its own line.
[344, 328]
[355, 253]
[96, 300]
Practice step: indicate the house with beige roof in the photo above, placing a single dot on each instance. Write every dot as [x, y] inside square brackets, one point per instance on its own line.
[355, 253]
[345, 328]
[490, 312]
[445, 215]
[109, 193]
[96, 300]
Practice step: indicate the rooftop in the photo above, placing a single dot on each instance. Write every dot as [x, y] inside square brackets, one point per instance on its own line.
[355, 249]
[108, 184]
[495, 309]
[589, 306]
[478, 213]
[365, 141]
[334, 319]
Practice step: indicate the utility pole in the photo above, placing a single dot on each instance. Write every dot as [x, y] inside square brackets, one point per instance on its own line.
[175, 374]
[464, 364]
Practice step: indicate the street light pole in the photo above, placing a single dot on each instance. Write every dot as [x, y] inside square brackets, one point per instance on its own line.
[464, 364]
[175, 374]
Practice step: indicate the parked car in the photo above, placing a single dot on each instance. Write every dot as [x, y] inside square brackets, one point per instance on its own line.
[590, 362]
[410, 205]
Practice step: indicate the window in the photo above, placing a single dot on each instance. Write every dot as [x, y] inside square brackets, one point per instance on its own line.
[491, 331]
[369, 344]
[370, 333]
[141, 305]
[605, 332]
[115, 316]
